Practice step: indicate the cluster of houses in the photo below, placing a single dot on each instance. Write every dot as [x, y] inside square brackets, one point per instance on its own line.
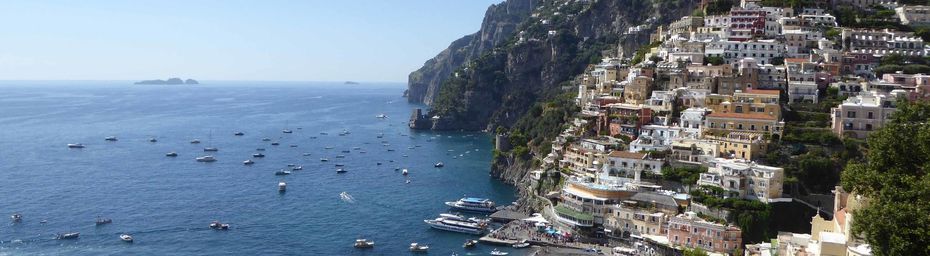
[711, 96]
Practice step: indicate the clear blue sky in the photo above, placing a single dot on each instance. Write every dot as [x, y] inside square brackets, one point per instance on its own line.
[372, 40]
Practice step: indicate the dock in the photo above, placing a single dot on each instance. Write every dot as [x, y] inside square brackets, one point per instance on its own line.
[507, 215]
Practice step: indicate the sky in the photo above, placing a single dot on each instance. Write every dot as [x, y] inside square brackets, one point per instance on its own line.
[268, 40]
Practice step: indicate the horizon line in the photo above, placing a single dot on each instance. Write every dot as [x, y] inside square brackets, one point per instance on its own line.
[214, 80]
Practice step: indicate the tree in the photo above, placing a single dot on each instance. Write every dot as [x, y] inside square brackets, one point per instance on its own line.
[694, 252]
[713, 60]
[894, 178]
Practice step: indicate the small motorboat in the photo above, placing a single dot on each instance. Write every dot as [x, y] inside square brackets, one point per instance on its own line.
[324, 133]
[415, 247]
[210, 149]
[282, 186]
[313, 137]
[239, 133]
[381, 116]
[306, 154]
[287, 131]
[470, 243]
[340, 165]
[102, 221]
[16, 217]
[297, 168]
[404, 172]
[340, 156]
[76, 145]
[340, 170]
[521, 245]
[291, 165]
[498, 252]
[378, 163]
[126, 238]
[275, 143]
[346, 151]
[71, 235]
[364, 243]
[110, 138]
[266, 139]
[195, 141]
[439, 165]
[282, 172]
[172, 154]
[258, 155]
[153, 139]
[217, 225]
[293, 145]
[324, 160]
[328, 147]
[206, 159]
[248, 162]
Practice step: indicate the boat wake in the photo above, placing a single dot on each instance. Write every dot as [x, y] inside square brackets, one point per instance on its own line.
[346, 197]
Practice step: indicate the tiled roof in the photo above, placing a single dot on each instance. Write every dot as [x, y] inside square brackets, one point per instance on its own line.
[760, 91]
[758, 116]
[626, 154]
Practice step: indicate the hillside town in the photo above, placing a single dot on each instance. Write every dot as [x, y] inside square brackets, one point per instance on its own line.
[719, 96]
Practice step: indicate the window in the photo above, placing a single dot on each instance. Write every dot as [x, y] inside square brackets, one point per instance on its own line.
[870, 115]
[851, 114]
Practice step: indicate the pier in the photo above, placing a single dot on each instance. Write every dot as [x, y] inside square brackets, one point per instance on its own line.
[517, 231]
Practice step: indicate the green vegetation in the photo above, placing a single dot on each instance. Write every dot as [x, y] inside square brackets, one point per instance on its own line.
[642, 51]
[685, 175]
[693, 252]
[720, 7]
[714, 60]
[849, 16]
[907, 64]
[752, 217]
[895, 180]
[561, 209]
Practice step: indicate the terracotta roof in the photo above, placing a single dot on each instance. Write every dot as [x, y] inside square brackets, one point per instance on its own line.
[743, 116]
[761, 91]
[795, 60]
[626, 154]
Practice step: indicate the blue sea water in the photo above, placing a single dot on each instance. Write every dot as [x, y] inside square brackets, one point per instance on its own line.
[167, 203]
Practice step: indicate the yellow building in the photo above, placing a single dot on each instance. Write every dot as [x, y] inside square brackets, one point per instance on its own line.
[749, 101]
[741, 145]
[638, 91]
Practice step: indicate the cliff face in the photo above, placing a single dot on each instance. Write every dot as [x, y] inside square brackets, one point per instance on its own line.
[500, 22]
[555, 43]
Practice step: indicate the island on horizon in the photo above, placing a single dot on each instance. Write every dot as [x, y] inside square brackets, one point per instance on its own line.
[173, 80]
[351, 82]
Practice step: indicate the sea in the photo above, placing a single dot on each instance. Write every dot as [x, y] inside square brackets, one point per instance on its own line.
[167, 203]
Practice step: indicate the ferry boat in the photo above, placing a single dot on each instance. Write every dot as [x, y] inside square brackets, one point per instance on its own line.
[364, 243]
[72, 235]
[172, 154]
[110, 138]
[455, 223]
[473, 204]
[126, 238]
[206, 159]
[75, 145]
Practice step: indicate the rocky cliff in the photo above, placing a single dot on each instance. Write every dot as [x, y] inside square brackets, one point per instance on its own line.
[500, 22]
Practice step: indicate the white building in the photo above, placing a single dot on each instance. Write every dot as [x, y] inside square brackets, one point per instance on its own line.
[691, 121]
[914, 14]
[732, 51]
[883, 42]
[802, 91]
[744, 179]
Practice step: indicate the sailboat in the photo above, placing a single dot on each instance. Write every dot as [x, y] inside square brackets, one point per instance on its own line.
[285, 128]
[210, 140]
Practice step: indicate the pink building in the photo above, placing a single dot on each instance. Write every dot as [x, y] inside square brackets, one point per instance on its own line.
[689, 230]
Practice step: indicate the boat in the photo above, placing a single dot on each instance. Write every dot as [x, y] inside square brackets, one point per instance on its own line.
[297, 168]
[110, 138]
[340, 170]
[172, 154]
[340, 165]
[498, 253]
[324, 160]
[521, 245]
[282, 186]
[153, 139]
[293, 145]
[340, 156]
[239, 133]
[248, 162]
[470, 243]
[324, 133]
[364, 243]
[217, 225]
[258, 155]
[76, 145]
[346, 151]
[439, 165]
[207, 159]
[285, 130]
[210, 149]
[404, 172]
[71, 235]
[102, 221]
[282, 172]
[266, 139]
[195, 141]
[328, 147]
[275, 143]
[126, 238]
[306, 154]
[473, 204]
[16, 217]
[415, 247]
[382, 116]
[455, 223]
[291, 165]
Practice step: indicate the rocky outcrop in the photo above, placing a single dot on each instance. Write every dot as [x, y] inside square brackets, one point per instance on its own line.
[171, 81]
[500, 22]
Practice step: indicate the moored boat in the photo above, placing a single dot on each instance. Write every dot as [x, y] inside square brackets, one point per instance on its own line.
[340, 170]
[473, 204]
[404, 172]
[470, 243]
[217, 225]
[258, 155]
[16, 217]
[75, 145]
[210, 149]
[439, 165]
[71, 235]
[282, 186]
[195, 141]
[364, 243]
[282, 172]
[248, 162]
[415, 247]
[171, 154]
[126, 238]
[102, 221]
[497, 252]
[206, 159]
[455, 223]
[239, 133]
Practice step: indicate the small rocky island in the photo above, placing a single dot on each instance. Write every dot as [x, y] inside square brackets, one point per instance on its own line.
[351, 82]
[173, 80]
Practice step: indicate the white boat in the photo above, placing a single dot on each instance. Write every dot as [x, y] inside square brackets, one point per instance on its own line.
[382, 116]
[340, 170]
[415, 247]
[282, 172]
[297, 168]
[195, 141]
[248, 162]
[455, 223]
[404, 172]
[126, 238]
[172, 154]
[217, 225]
[324, 160]
[72, 235]
[521, 245]
[266, 139]
[364, 243]
[110, 138]
[258, 155]
[16, 217]
[76, 145]
[285, 130]
[282, 186]
[439, 165]
[473, 204]
[470, 243]
[498, 253]
[207, 158]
